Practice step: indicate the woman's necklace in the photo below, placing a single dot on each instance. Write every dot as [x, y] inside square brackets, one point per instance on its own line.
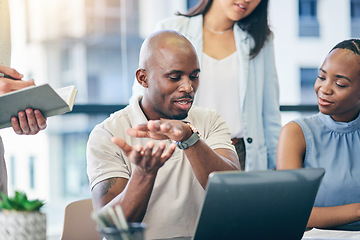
[216, 32]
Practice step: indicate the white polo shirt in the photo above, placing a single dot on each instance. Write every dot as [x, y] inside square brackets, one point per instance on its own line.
[177, 196]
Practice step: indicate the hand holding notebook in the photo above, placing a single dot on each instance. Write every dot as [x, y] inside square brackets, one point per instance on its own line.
[43, 97]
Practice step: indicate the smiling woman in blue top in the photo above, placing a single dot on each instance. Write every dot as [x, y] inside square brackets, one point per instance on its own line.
[238, 77]
[331, 140]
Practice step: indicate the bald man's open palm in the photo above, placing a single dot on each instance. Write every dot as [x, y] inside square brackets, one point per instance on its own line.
[147, 158]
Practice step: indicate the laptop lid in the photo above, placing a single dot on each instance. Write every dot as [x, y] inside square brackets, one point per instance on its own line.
[273, 204]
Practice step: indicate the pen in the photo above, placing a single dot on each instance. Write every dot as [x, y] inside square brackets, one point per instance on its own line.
[10, 77]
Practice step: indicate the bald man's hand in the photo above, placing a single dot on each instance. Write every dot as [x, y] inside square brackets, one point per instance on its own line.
[29, 121]
[147, 158]
[161, 129]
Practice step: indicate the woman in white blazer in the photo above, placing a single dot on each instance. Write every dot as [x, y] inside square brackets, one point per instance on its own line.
[238, 75]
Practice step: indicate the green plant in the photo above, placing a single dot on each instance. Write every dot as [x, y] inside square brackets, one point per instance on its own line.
[19, 202]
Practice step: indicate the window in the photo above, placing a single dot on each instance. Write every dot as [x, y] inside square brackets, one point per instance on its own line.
[308, 22]
[75, 180]
[307, 78]
[93, 45]
[192, 3]
[32, 172]
[12, 170]
[355, 18]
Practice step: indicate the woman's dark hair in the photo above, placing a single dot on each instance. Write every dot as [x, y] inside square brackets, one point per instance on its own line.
[350, 44]
[256, 24]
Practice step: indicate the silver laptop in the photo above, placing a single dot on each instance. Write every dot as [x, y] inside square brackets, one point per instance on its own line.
[258, 205]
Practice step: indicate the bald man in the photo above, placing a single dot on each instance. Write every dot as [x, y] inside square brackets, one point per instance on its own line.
[153, 158]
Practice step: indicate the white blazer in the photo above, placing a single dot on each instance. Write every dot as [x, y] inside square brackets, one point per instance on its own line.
[259, 90]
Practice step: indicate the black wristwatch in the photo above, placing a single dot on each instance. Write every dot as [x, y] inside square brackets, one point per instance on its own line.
[195, 136]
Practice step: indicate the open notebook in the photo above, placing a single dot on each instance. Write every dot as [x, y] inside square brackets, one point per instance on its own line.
[258, 205]
[43, 97]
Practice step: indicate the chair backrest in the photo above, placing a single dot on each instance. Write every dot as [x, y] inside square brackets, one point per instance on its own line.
[78, 223]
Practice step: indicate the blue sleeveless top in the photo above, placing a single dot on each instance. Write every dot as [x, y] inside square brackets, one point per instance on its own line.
[334, 146]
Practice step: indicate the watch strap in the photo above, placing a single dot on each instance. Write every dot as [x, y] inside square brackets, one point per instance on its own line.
[195, 136]
[188, 142]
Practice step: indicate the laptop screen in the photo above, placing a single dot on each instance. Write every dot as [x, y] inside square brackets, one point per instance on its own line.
[273, 204]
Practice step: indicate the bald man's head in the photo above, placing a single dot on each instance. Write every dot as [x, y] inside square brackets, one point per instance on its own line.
[162, 40]
[169, 72]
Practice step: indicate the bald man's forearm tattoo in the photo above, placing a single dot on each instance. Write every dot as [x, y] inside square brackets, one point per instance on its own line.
[105, 186]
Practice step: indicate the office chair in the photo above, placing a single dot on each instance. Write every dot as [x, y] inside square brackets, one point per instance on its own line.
[78, 224]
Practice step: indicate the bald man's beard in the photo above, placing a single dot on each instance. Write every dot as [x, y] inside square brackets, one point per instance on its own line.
[181, 116]
[171, 115]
